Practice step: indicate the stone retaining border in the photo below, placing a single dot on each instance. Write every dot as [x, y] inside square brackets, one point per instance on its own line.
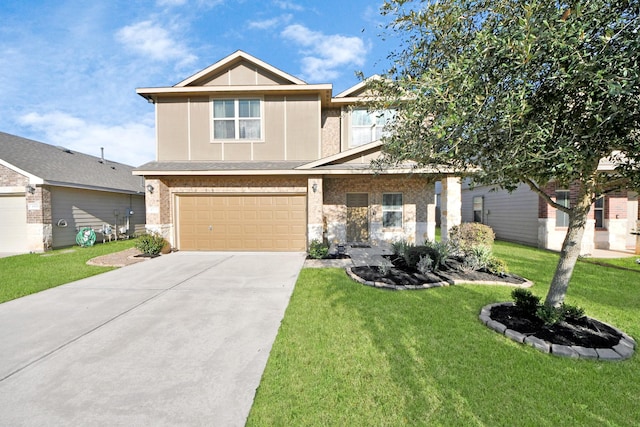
[621, 351]
[448, 282]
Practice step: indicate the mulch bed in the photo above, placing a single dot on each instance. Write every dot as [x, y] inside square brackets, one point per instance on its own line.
[585, 332]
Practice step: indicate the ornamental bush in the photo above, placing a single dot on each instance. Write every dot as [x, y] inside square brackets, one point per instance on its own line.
[150, 243]
[471, 234]
[318, 250]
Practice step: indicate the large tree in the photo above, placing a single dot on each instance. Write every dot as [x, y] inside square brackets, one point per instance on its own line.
[510, 92]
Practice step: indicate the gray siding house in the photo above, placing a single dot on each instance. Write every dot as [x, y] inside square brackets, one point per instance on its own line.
[48, 193]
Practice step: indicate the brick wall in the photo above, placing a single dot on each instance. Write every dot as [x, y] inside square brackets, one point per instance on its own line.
[9, 178]
[330, 132]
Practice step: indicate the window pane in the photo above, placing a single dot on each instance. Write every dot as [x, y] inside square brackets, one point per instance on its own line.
[361, 118]
[223, 108]
[249, 108]
[360, 136]
[249, 129]
[392, 200]
[392, 219]
[224, 129]
[599, 217]
[562, 218]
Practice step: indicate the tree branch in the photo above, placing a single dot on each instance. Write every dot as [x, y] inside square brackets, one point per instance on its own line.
[536, 188]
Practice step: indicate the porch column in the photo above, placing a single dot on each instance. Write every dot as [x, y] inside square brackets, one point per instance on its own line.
[451, 205]
[315, 226]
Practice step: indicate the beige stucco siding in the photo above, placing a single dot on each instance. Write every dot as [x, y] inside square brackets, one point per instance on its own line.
[512, 216]
[303, 128]
[86, 208]
[291, 128]
[172, 127]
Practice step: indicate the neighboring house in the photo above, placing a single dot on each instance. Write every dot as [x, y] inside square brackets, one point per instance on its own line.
[47, 193]
[252, 158]
[524, 217]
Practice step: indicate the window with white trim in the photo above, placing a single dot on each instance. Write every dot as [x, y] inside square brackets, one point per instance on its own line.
[478, 208]
[598, 211]
[368, 126]
[392, 210]
[237, 119]
[562, 198]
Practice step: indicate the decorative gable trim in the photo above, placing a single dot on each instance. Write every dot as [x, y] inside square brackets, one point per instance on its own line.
[233, 58]
[336, 158]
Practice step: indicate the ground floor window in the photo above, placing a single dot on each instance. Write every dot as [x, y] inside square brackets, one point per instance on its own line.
[478, 202]
[562, 198]
[392, 210]
[598, 211]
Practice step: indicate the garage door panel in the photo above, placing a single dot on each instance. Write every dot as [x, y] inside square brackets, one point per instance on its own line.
[242, 222]
[13, 224]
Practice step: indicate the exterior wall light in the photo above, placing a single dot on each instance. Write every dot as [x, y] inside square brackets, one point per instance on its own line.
[30, 189]
[150, 188]
[314, 187]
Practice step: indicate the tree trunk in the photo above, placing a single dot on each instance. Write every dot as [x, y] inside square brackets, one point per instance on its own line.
[570, 250]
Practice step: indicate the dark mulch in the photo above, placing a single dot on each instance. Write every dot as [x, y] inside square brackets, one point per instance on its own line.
[400, 274]
[585, 332]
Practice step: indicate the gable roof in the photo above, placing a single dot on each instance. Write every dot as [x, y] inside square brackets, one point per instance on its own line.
[234, 58]
[46, 164]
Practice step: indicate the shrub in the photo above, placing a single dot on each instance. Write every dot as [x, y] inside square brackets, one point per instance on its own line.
[549, 315]
[385, 267]
[425, 264]
[526, 302]
[399, 247]
[438, 252]
[318, 250]
[497, 266]
[477, 258]
[470, 234]
[151, 243]
[572, 312]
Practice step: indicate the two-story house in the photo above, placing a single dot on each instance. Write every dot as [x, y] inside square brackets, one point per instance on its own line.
[252, 158]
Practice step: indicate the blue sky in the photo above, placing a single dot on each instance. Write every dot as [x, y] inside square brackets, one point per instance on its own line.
[69, 68]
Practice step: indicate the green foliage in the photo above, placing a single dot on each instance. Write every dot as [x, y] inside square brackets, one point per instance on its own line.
[471, 234]
[549, 315]
[526, 302]
[477, 257]
[438, 252]
[572, 312]
[399, 247]
[425, 264]
[497, 266]
[318, 250]
[511, 92]
[150, 243]
[385, 267]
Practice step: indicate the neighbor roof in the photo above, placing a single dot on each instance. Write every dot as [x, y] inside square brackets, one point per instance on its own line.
[47, 164]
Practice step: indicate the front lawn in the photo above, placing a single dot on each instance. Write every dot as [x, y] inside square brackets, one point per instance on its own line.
[348, 354]
[22, 275]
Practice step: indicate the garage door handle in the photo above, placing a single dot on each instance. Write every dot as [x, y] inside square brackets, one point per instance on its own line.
[211, 228]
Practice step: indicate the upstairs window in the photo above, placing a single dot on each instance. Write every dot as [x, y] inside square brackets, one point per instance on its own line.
[237, 119]
[368, 126]
[392, 210]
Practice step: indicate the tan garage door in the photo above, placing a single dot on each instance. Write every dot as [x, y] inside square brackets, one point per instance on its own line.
[242, 223]
[13, 224]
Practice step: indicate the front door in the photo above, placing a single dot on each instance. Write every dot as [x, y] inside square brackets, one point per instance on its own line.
[357, 217]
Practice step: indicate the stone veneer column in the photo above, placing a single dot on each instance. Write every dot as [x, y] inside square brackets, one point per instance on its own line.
[451, 209]
[315, 228]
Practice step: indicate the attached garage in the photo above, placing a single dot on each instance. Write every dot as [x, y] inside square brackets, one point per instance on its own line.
[13, 224]
[240, 222]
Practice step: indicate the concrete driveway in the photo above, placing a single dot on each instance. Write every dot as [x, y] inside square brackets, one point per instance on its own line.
[182, 339]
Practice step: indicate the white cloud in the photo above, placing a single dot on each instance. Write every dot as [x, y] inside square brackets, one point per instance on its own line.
[268, 24]
[326, 56]
[152, 40]
[283, 4]
[131, 143]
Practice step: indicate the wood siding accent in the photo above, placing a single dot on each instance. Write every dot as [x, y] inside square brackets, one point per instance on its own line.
[512, 216]
[242, 222]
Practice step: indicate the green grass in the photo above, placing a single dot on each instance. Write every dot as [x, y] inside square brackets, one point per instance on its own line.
[22, 275]
[348, 354]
